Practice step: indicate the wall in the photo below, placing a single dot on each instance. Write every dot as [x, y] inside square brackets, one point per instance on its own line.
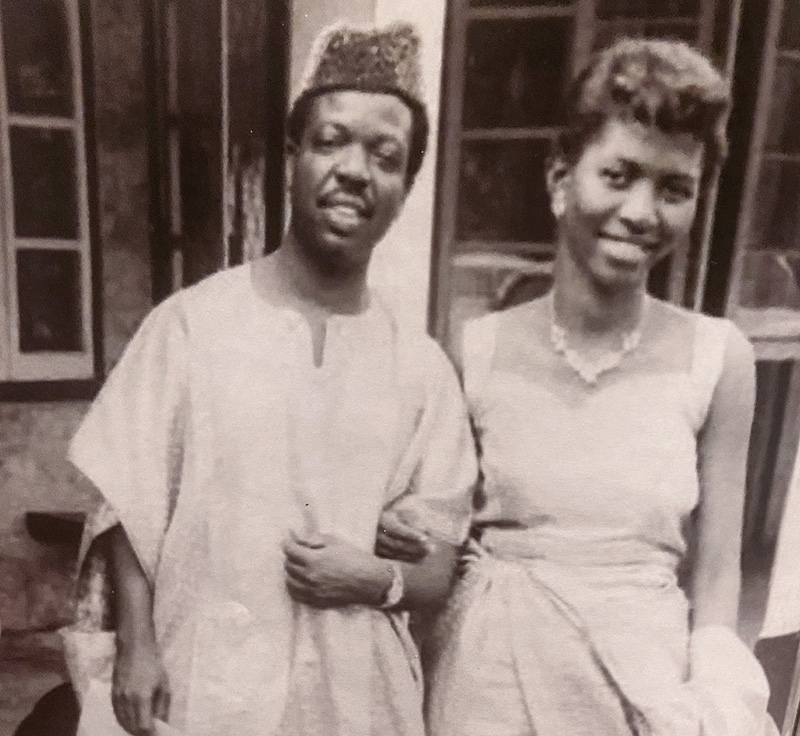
[401, 269]
[35, 582]
[309, 17]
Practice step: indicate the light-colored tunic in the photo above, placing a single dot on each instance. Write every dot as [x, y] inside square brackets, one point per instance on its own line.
[213, 437]
[569, 618]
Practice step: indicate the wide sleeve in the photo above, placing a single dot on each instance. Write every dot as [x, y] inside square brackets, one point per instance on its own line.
[441, 461]
[129, 445]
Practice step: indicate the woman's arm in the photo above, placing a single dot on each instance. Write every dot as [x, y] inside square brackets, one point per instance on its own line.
[326, 572]
[722, 464]
[140, 690]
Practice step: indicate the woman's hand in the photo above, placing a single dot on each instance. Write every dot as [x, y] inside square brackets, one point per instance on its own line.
[326, 572]
[398, 540]
[140, 690]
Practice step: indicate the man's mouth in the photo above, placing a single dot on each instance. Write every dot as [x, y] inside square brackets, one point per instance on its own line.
[345, 214]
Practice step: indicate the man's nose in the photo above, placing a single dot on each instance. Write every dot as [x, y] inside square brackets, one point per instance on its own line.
[639, 211]
[353, 166]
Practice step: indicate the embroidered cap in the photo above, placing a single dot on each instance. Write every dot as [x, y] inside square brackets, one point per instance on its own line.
[366, 59]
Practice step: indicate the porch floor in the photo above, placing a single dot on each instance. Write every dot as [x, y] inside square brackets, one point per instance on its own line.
[31, 664]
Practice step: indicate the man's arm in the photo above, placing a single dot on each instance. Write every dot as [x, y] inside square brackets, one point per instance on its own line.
[140, 690]
[326, 572]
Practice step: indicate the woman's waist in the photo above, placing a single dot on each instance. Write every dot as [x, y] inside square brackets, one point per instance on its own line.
[602, 556]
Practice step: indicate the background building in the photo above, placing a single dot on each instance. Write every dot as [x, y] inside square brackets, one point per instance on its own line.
[141, 149]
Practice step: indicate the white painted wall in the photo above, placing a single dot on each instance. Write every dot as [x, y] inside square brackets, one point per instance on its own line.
[401, 265]
[309, 17]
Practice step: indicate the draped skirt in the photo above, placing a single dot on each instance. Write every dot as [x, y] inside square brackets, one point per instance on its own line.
[529, 646]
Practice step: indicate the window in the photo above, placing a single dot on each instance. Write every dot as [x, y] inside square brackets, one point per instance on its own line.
[45, 264]
[764, 297]
[764, 287]
[508, 63]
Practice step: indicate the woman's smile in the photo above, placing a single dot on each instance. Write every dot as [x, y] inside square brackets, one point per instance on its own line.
[627, 251]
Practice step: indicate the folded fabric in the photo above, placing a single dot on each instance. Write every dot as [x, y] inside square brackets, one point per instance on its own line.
[89, 657]
[729, 685]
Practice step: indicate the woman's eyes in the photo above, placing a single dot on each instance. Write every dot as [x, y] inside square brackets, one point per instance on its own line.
[677, 193]
[672, 192]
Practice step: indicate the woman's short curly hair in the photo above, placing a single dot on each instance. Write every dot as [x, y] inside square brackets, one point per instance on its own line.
[663, 84]
[298, 115]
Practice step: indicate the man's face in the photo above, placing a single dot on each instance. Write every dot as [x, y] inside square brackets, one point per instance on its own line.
[349, 175]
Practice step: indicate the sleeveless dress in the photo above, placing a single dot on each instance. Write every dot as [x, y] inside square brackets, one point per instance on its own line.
[568, 618]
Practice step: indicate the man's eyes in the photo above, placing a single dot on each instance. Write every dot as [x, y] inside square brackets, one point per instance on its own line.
[388, 157]
[617, 176]
[328, 141]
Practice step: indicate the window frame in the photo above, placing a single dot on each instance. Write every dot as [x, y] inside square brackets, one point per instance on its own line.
[54, 375]
[770, 344]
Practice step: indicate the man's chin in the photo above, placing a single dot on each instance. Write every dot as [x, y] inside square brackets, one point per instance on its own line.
[339, 254]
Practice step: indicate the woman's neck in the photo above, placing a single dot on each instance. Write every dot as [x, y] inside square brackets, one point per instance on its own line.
[580, 306]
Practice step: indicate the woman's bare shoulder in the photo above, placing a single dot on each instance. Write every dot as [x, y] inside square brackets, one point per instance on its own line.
[525, 315]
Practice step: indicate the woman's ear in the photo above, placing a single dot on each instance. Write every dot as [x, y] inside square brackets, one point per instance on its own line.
[557, 172]
[557, 175]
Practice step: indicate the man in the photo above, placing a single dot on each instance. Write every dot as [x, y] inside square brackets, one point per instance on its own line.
[256, 427]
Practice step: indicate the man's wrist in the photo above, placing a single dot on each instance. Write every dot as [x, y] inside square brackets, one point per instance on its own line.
[393, 592]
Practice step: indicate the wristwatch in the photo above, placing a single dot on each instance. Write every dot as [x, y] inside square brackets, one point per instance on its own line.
[394, 593]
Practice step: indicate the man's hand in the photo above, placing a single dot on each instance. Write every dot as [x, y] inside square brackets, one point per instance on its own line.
[398, 540]
[140, 690]
[326, 572]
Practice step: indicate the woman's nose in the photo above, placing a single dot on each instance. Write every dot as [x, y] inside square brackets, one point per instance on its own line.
[639, 210]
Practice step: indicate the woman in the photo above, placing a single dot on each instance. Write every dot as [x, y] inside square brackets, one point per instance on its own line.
[609, 423]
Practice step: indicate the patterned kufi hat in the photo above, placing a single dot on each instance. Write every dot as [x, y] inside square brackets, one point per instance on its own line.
[366, 59]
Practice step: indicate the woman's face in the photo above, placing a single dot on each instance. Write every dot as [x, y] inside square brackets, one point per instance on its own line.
[628, 201]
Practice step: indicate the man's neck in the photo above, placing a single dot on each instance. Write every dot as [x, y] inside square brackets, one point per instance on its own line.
[335, 290]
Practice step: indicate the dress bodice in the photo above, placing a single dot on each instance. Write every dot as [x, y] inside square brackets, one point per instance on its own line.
[609, 475]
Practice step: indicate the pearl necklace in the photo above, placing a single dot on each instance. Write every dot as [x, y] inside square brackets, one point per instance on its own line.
[591, 370]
